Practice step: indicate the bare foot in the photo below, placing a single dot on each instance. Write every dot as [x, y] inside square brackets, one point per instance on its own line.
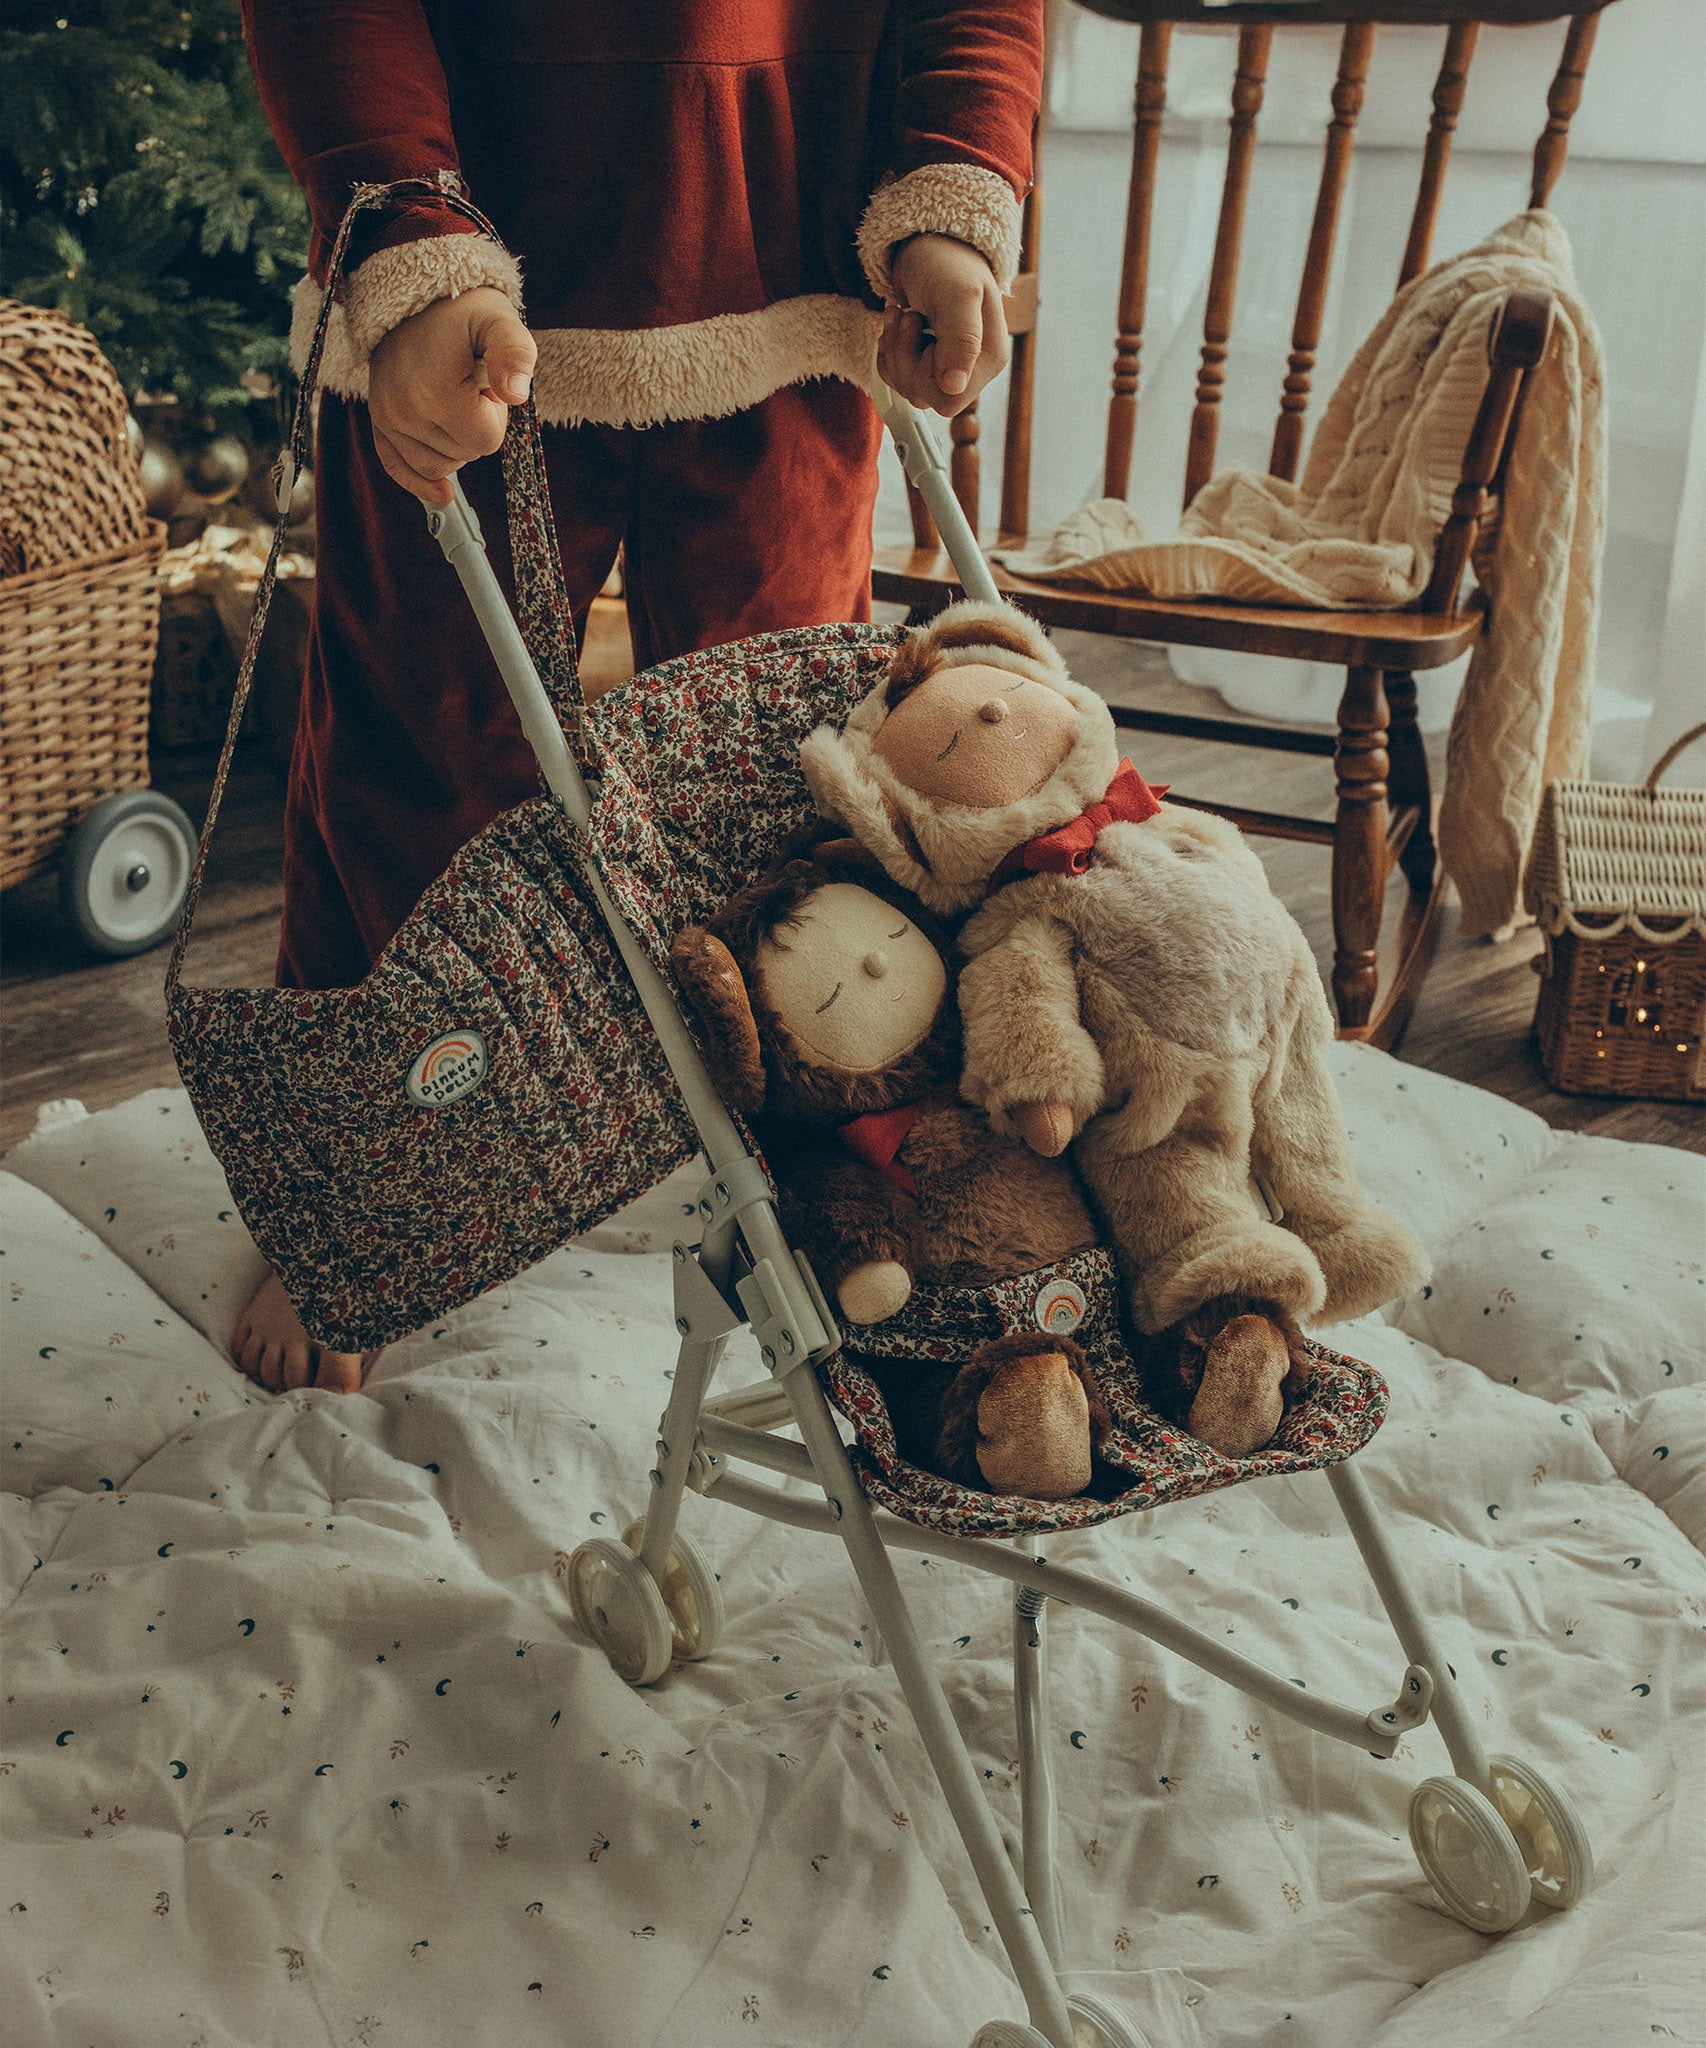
[271, 1346]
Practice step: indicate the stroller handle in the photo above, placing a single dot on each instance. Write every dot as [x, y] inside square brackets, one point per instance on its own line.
[457, 531]
[782, 1302]
[921, 457]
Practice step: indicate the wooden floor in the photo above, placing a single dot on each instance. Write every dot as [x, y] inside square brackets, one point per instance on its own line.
[69, 1027]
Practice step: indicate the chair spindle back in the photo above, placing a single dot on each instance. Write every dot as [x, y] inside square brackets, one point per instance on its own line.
[1356, 52]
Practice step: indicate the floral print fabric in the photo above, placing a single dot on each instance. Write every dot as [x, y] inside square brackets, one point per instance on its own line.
[1146, 1459]
[379, 1214]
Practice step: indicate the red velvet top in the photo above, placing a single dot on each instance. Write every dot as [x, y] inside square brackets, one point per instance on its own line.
[652, 162]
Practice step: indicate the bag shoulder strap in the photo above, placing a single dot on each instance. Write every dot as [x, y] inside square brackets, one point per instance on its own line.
[546, 618]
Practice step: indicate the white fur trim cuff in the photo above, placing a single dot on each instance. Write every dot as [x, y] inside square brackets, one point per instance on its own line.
[640, 377]
[963, 200]
[391, 287]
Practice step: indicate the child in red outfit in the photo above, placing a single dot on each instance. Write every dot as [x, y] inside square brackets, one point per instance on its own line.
[717, 207]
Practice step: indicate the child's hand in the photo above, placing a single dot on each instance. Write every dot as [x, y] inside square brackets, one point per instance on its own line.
[948, 337]
[425, 391]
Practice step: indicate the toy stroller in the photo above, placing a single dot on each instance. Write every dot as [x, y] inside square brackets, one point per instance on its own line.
[490, 1090]
[1491, 1838]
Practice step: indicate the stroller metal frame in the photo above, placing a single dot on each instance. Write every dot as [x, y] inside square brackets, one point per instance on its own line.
[1487, 1848]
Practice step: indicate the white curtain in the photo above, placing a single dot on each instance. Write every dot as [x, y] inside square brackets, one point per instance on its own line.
[1632, 198]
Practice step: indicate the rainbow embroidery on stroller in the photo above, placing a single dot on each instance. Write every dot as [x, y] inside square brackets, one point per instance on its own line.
[588, 888]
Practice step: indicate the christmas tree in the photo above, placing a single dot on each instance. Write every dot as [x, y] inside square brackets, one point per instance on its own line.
[142, 195]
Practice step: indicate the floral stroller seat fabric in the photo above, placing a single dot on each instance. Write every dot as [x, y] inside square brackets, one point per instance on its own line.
[1144, 1461]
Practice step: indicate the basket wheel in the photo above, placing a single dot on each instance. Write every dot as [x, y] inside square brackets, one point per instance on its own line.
[1548, 1831]
[1468, 1854]
[126, 871]
[691, 1596]
[616, 1601]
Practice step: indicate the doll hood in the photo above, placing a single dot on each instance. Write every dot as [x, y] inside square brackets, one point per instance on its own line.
[945, 853]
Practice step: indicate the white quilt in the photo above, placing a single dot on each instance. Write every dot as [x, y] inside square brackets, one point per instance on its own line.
[300, 1746]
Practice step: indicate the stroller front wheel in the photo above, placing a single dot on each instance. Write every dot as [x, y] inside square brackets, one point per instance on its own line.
[691, 1596]
[1469, 1855]
[617, 1602]
[1548, 1830]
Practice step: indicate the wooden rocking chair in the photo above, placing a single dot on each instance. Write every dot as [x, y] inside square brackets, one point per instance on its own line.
[1385, 808]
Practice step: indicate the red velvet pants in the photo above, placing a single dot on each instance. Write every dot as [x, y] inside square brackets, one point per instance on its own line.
[408, 746]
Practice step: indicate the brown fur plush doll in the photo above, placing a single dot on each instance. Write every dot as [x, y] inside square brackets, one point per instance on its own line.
[1130, 980]
[830, 1024]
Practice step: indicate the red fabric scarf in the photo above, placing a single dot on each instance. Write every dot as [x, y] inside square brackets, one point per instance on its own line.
[1067, 850]
[876, 1138]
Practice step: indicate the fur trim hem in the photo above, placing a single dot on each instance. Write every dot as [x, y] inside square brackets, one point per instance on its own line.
[945, 853]
[628, 377]
[1367, 1261]
[966, 201]
[1261, 1260]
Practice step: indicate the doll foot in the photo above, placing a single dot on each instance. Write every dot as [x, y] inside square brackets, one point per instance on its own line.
[271, 1347]
[871, 1294]
[1045, 1126]
[1241, 1399]
[1228, 1371]
[1022, 1420]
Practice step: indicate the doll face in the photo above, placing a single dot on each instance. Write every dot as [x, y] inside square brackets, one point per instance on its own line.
[977, 736]
[854, 982]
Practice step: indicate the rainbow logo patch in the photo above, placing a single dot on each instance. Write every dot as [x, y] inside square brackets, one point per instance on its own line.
[1060, 1307]
[449, 1068]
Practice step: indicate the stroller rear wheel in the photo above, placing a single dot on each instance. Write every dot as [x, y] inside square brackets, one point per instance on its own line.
[1095, 2024]
[617, 1602]
[1548, 1830]
[1468, 1854]
[691, 1596]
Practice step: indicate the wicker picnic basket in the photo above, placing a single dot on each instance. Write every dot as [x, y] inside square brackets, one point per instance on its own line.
[1618, 881]
[79, 589]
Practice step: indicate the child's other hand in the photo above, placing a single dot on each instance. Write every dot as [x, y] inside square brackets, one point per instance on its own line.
[431, 408]
[948, 337]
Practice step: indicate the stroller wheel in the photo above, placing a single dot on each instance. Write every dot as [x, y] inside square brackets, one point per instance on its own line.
[1468, 1854]
[1548, 1831]
[1095, 2024]
[691, 1596]
[617, 1602]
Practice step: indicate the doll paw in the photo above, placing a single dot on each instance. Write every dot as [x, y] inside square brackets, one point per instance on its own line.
[871, 1294]
[1045, 1126]
[1023, 1418]
[1242, 1395]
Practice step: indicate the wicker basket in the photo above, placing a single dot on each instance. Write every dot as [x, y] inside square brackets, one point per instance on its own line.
[1618, 882]
[79, 589]
[77, 657]
[194, 674]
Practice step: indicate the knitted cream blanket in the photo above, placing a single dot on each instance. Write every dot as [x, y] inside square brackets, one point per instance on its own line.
[1358, 534]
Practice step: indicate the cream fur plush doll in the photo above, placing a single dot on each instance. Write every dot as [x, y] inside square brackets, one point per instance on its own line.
[1130, 981]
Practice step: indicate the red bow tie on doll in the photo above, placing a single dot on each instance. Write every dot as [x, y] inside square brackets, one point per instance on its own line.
[876, 1138]
[1067, 849]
